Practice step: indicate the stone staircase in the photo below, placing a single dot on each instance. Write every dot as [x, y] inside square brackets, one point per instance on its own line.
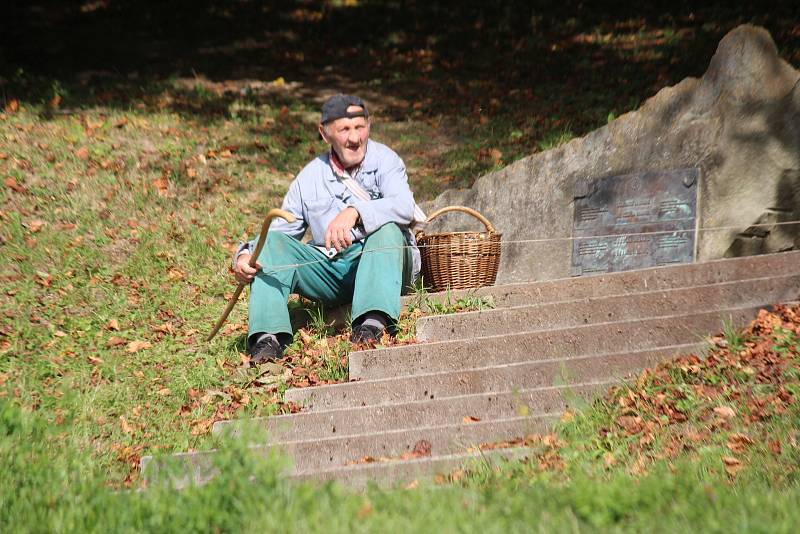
[497, 375]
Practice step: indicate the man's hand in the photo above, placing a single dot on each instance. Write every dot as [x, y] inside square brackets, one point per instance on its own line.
[243, 273]
[338, 233]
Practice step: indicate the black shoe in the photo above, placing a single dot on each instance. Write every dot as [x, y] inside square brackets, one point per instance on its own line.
[366, 334]
[265, 350]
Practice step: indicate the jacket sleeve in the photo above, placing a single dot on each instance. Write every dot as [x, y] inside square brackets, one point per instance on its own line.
[292, 203]
[396, 203]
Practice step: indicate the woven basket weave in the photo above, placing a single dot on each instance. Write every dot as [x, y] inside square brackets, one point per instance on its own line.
[459, 260]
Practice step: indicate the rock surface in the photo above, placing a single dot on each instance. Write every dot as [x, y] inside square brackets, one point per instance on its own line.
[739, 123]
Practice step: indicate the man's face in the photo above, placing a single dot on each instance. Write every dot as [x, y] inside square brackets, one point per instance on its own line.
[347, 137]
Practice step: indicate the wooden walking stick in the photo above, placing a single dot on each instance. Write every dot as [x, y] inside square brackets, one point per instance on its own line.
[271, 214]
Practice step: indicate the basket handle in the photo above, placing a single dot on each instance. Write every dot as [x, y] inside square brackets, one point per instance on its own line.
[464, 209]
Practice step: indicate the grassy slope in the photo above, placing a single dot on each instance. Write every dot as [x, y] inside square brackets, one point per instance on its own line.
[702, 444]
[123, 195]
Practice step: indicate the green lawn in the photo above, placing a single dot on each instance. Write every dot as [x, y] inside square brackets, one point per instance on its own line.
[699, 444]
[128, 181]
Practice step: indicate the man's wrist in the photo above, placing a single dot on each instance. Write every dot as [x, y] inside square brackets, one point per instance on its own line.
[357, 220]
[244, 248]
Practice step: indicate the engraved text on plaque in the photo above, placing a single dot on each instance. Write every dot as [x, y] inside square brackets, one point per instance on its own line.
[635, 221]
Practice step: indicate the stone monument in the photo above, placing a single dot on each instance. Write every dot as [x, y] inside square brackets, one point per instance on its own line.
[738, 126]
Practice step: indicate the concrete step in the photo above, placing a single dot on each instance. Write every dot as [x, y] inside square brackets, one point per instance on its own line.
[315, 455]
[455, 395]
[324, 453]
[509, 320]
[394, 473]
[635, 334]
[549, 379]
[449, 410]
[657, 278]
[654, 279]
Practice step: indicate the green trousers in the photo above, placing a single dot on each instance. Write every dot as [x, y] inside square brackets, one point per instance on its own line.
[370, 274]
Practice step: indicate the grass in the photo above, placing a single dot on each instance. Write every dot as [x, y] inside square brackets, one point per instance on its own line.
[126, 188]
[648, 456]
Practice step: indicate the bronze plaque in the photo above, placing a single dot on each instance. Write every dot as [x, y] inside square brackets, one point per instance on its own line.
[634, 221]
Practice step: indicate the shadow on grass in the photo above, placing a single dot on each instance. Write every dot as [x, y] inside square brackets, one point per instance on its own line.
[445, 57]
[515, 76]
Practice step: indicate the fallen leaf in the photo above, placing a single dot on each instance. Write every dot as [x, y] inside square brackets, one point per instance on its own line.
[631, 424]
[12, 184]
[609, 460]
[94, 360]
[726, 412]
[202, 427]
[115, 341]
[113, 324]
[422, 448]
[492, 154]
[470, 419]
[12, 106]
[212, 395]
[122, 122]
[366, 510]
[136, 346]
[165, 328]
[456, 475]
[161, 184]
[175, 274]
[550, 440]
[305, 337]
[732, 465]
[82, 153]
[55, 101]
[694, 436]
[270, 368]
[35, 226]
[412, 485]
[164, 392]
[127, 428]
[739, 442]
[59, 333]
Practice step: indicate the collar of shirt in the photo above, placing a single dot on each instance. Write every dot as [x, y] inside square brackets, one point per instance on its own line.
[367, 164]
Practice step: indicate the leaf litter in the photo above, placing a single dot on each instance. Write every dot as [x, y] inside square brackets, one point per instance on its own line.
[726, 397]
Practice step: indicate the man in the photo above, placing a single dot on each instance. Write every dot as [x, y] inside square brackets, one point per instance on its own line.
[361, 248]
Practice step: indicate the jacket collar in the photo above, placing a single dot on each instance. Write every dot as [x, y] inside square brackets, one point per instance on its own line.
[369, 164]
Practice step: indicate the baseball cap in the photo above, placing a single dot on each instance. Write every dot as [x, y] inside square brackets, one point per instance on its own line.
[336, 108]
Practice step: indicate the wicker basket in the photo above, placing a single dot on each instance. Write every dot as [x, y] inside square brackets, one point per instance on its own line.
[459, 260]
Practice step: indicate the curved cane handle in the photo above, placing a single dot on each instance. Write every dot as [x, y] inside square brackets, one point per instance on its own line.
[262, 238]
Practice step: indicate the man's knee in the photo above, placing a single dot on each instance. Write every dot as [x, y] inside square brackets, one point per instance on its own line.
[278, 244]
[388, 234]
